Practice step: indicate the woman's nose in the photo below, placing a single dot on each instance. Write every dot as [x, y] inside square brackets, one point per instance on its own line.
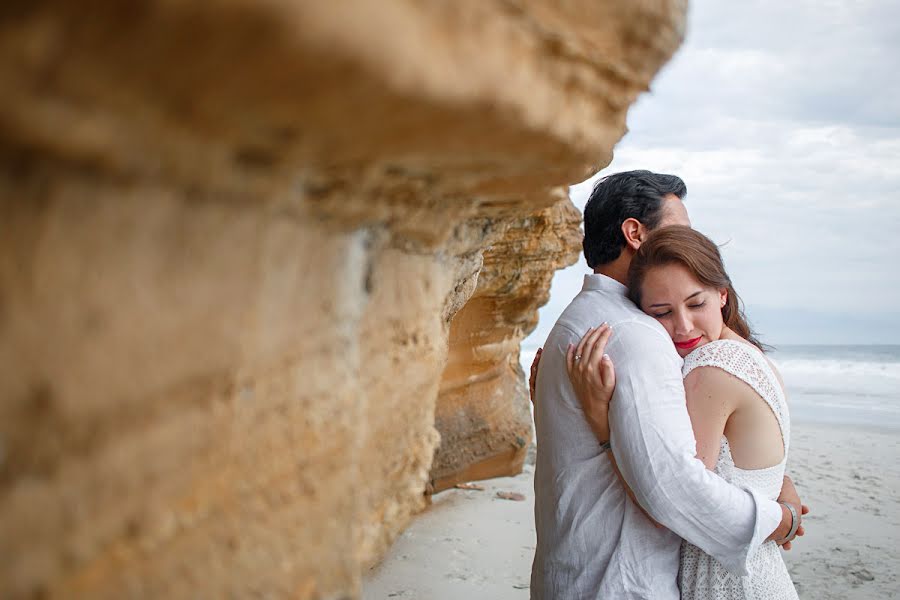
[682, 323]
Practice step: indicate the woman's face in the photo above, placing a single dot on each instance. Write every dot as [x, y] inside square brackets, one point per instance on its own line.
[690, 312]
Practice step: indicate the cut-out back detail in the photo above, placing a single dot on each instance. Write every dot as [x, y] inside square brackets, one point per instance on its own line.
[701, 576]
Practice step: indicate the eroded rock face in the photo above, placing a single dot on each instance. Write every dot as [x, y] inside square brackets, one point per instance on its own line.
[235, 240]
[482, 410]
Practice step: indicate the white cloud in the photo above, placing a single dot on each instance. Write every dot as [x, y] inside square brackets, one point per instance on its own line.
[784, 121]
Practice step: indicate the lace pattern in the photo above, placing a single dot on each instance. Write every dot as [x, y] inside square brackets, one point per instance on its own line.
[750, 366]
[701, 576]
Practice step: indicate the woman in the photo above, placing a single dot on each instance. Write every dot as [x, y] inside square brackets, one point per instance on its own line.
[734, 394]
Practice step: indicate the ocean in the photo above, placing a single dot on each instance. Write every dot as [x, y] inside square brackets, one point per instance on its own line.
[853, 385]
[857, 385]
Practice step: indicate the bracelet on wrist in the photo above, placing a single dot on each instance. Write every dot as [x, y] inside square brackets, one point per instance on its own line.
[795, 522]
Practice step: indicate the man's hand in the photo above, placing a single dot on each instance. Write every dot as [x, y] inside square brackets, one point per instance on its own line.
[532, 381]
[593, 378]
[790, 496]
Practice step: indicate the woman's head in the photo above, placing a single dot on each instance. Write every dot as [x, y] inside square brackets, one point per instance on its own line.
[677, 276]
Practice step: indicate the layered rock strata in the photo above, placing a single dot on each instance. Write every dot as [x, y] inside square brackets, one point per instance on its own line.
[482, 411]
[234, 236]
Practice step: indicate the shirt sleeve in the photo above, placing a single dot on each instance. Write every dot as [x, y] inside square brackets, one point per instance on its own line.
[655, 450]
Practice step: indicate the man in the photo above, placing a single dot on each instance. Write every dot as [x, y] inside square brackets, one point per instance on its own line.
[593, 541]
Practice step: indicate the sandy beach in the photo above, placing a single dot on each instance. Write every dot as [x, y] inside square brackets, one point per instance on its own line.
[473, 544]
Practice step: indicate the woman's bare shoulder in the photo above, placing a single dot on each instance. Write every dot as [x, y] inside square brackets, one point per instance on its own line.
[715, 384]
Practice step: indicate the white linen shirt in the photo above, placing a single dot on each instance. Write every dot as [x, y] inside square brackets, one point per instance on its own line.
[592, 541]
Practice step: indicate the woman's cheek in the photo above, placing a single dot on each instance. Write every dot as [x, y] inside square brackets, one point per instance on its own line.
[667, 326]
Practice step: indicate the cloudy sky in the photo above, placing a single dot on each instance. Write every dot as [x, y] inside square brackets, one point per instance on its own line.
[783, 118]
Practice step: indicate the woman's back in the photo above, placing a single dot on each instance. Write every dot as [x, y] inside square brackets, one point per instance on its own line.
[742, 370]
[732, 375]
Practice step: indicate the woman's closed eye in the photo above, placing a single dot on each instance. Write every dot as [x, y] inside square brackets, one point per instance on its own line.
[660, 315]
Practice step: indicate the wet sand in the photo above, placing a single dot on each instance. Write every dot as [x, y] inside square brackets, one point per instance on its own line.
[473, 545]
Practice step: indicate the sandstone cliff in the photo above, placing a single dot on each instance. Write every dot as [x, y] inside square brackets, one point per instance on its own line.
[252, 253]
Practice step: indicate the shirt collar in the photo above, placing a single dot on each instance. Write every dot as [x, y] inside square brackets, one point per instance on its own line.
[596, 281]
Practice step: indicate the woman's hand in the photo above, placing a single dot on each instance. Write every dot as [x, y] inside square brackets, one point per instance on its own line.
[593, 378]
[532, 381]
[789, 494]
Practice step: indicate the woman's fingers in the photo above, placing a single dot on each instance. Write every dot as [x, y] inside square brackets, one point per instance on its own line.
[598, 350]
[599, 367]
[585, 361]
[607, 372]
[804, 509]
[603, 339]
[579, 351]
[532, 381]
[589, 351]
[536, 362]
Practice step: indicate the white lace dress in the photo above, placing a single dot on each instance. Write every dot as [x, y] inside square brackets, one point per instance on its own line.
[701, 576]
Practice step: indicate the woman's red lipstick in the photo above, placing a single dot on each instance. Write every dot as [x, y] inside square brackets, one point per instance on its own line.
[688, 344]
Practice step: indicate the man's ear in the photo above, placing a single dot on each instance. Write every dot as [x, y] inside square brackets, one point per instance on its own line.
[635, 233]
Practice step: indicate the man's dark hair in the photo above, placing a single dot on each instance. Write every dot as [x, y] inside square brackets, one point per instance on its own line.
[618, 197]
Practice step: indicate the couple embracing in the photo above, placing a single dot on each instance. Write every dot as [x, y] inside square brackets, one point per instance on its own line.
[662, 428]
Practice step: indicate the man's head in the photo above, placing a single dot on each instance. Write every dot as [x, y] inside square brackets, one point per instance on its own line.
[624, 208]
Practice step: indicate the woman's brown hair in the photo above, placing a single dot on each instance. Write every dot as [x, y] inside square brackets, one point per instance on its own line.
[682, 245]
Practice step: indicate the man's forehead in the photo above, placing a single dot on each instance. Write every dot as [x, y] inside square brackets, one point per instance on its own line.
[674, 211]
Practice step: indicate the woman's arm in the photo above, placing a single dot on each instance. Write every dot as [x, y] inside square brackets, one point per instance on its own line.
[711, 395]
[594, 380]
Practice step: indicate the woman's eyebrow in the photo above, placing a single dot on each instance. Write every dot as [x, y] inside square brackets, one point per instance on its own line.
[694, 294]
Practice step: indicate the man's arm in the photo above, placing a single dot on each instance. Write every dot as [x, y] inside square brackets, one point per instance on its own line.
[655, 452]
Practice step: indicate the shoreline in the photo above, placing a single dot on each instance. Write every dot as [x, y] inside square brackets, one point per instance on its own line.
[856, 427]
[472, 544]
